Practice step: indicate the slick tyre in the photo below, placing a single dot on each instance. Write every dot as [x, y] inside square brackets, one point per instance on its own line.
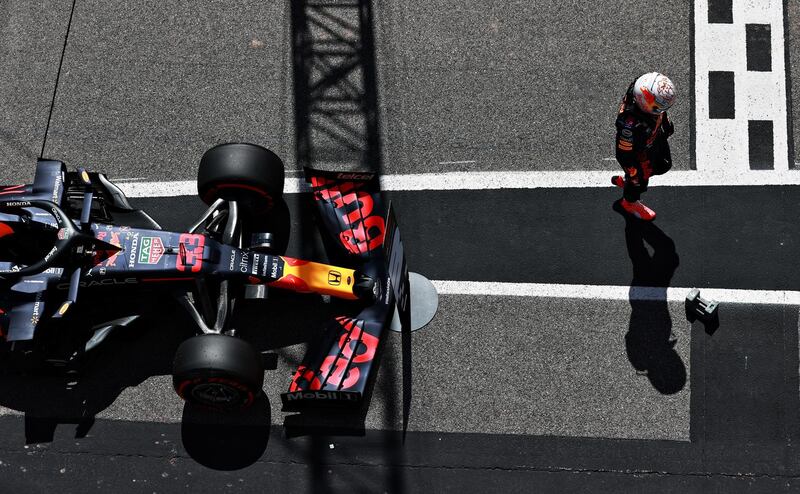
[249, 174]
[217, 371]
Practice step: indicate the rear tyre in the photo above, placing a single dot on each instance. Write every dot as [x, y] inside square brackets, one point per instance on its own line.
[217, 371]
[249, 174]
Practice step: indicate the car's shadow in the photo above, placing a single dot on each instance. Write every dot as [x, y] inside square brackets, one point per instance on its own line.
[127, 357]
[228, 441]
[146, 348]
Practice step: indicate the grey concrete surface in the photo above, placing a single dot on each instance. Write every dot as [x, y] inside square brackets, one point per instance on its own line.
[497, 365]
[539, 366]
[146, 457]
[743, 393]
[521, 85]
[31, 39]
[147, 87]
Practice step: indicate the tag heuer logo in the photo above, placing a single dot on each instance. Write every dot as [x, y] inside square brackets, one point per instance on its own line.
[151, 250]
[334, 278]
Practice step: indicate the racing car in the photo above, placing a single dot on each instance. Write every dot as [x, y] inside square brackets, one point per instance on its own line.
[72, 236]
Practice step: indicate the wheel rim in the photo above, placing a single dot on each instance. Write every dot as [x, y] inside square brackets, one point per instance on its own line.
[217, 394]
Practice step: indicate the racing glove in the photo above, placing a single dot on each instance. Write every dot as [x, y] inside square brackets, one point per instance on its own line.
[667, 126]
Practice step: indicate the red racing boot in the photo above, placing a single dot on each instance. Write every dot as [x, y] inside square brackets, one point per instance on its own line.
[618, 180]
[638, 209]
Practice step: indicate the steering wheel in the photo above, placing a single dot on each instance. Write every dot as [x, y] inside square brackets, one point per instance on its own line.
[68, 234]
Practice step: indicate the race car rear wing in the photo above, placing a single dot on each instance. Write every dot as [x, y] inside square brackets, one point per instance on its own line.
[337, 368]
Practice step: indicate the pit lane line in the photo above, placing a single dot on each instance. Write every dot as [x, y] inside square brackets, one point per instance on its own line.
[504, 180]
[614, 292]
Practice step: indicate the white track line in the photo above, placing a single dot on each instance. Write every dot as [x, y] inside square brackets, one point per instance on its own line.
[505, 180]
[613, 292]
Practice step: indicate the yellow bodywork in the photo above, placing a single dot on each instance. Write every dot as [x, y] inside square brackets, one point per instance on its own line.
[317, 277]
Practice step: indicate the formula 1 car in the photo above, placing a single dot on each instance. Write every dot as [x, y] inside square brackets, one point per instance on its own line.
[71, 236]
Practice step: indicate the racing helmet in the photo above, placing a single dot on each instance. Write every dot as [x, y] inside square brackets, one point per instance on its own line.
[654, 93]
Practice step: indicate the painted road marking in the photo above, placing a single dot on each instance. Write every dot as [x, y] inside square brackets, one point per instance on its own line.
[721, 92]
[505, 180]
[740, 85]
[759, 52]
[614, 292]
[760, 134]
[720, 11]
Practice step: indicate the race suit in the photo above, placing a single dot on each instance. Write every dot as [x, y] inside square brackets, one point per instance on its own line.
[642, 148]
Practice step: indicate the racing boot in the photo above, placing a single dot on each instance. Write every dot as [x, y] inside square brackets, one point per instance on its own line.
[638, 209]
[618, 180]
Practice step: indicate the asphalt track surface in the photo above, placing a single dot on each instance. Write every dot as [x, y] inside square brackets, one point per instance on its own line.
[515, 394]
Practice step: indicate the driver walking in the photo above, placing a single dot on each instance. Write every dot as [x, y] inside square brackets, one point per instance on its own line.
[642, 131]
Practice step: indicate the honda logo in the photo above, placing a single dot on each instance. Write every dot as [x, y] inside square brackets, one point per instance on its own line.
[334, 278]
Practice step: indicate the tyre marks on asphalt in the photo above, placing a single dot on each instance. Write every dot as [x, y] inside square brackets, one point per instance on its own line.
[741, 85]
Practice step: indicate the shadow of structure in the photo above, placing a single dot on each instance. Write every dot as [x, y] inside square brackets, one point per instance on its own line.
[335, 88]
[314, 433]
[337, 127]
[649, 342]
[129, 356]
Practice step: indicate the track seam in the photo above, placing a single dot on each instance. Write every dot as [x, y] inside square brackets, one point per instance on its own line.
[58, 78]
[656, 473]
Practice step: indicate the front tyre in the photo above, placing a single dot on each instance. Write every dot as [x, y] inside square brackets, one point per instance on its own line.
[246, 173]
[217, 371]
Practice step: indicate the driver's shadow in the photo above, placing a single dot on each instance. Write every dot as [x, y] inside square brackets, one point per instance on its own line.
[649, 342]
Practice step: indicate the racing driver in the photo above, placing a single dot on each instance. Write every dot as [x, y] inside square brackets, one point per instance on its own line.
[642, 131]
